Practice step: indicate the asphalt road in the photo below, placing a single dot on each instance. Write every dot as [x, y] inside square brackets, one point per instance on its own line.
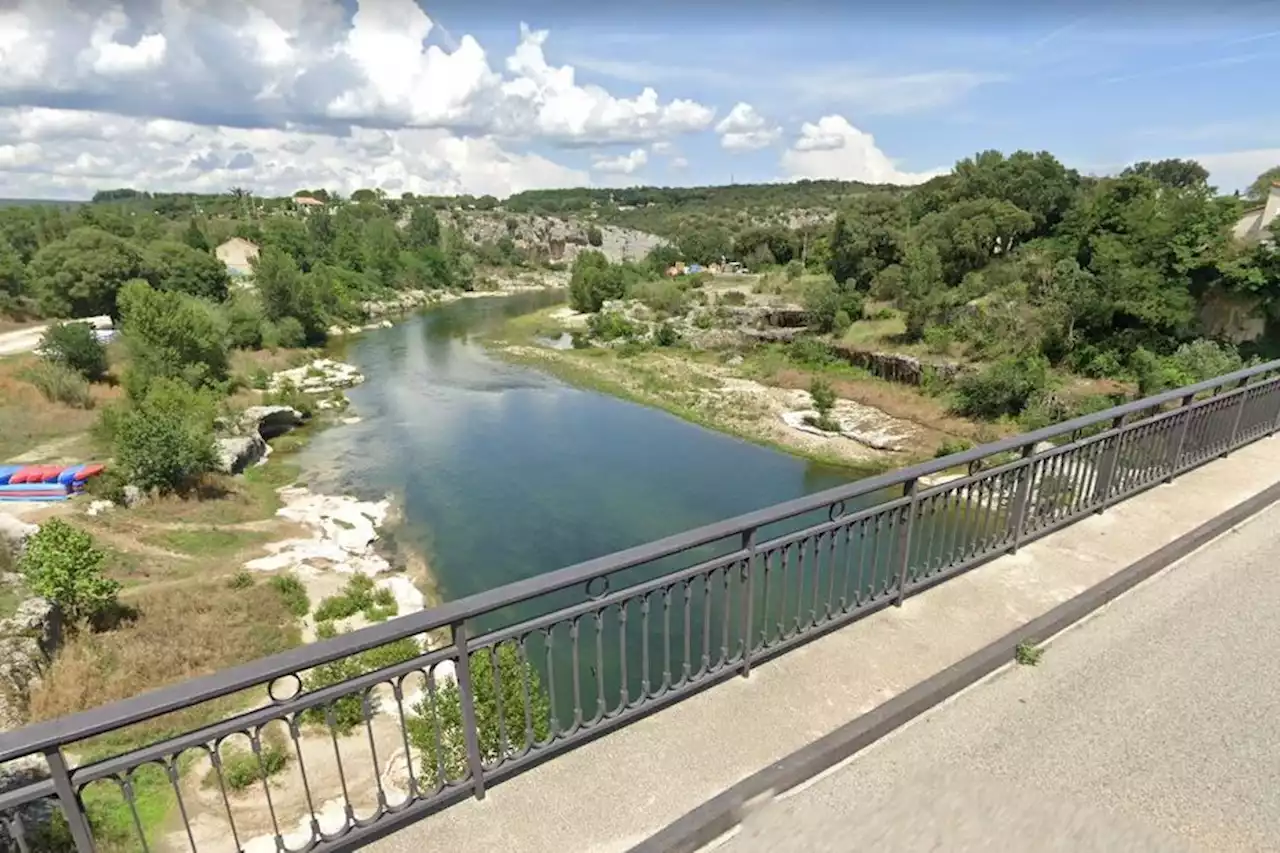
[1152, 726]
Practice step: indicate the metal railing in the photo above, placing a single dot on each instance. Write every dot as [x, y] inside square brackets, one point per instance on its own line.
[348, 739]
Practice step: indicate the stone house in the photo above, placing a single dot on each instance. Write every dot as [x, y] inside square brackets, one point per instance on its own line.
[1253, 226]
[238, 254]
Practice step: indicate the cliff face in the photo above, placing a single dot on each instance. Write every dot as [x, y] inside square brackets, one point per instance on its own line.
[560, 239]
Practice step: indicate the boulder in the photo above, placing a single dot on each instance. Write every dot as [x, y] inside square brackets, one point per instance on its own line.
[15, 532]
[269, 421]
[28, 641]
[236, 453]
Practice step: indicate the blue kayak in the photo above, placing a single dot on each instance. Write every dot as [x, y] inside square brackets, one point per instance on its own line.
[69, 474]
[7, 471]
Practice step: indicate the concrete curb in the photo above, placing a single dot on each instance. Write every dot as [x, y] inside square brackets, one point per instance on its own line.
[723, 812]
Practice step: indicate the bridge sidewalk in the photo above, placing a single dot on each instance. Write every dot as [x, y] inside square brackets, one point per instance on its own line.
[1150, 726]
[614, 792]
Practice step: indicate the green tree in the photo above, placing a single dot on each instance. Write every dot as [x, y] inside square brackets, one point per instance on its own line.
[287, 292]
[194, 236]
[1175, 174]
[824, 401]
[13, 273]
[594, 281]
[594, 236]
[170, 335]
[165, 440]
[293, 237]
[177, 266]
[1262, 184]
[706, 245]
[60, 563]
[503, 718]
[423, 230]
[825, 300]
[75, 347]
[80, 275]
[382, 250]
[1002, 388]
[866, 238]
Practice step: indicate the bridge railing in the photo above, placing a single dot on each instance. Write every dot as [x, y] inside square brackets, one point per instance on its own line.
[330, 745]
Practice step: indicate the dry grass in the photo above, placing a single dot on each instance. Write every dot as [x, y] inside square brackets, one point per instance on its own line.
[245, 362]
[28, 420]
[178, 633]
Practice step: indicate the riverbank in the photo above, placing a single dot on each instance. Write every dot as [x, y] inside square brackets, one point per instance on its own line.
[758, 394]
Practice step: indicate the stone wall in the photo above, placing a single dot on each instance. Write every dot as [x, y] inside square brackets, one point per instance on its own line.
[28, 641]
[895, 367]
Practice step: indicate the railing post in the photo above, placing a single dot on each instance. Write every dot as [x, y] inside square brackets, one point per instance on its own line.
[748, 601]
[467, 696]
[1102, 487]
[72, 810]
[909, 489]
[1184, 423]
[1022, 496]
[1235, 423]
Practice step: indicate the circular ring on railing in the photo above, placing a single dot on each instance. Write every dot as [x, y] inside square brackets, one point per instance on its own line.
[835, 511]
[604, 588]
[297, 688]
[975, 466]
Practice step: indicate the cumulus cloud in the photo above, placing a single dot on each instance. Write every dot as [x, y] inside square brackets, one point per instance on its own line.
[69, 154]
[306, 74]
[744, 129]
[623, 164]
[834, 148]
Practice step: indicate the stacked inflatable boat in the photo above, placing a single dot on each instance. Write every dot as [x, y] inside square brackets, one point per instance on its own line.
[44, 482]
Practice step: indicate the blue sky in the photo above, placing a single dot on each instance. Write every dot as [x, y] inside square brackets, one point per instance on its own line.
[458, 96]
[1100, 85]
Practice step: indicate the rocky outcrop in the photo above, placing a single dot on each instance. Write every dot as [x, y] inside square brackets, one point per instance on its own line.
[269, 421]
[14, 533]
[236, 453]
[319, 377]
[34, 816]
[28, 641]
[895, 367]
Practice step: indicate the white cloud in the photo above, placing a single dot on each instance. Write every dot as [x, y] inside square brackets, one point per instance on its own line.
[70, 154]
[1236, 170]
[309, 76]
[744, 129]
[887, 94]
[623, 164]
[833, 148]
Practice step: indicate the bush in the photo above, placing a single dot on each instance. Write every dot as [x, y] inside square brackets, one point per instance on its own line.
[951, 446]
[60, 563]
[292, 592]
[1002, 388]
[165, 441]
[665, 296]
[594, 281]
[666, 335]
[244, 319]
[75, 347]
[608, 325]
[359, 595]
[290, 333]
[240, 769]
[243, 579]
[824, 299]
[171, 335]
[498, 710]
[842, 322]
[824, 400]
[732, 297]
[347, 712]
[59, 384]
[594, 237]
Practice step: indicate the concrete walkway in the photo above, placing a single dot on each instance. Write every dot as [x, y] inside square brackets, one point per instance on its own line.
[616, 791]
[1151, 726]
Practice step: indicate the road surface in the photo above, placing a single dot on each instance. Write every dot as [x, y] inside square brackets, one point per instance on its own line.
[1152, 726]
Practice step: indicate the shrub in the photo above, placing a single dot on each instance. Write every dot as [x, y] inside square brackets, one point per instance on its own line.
[292, 593]
[824, 400]
[499, 711]
[732, 297]
[245, 318]
[665, 296]
[824, 299]
[171, 335]
[242, 579]
[359, 595]
[666, 335]
[594, 237]
[950, 446]
[165, 441]
[608, 325]
[59, 384]
[795, 269]
[1002, 388]
[347, 712]
[75, 347]
[842, 322]
[290, 332]
[62, 564]
[240, 769]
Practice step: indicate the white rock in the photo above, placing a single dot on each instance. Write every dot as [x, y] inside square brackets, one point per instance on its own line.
[98, 507]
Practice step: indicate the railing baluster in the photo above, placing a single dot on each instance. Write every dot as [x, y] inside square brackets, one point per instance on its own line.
[748, 598]
[904, 538]
[466, 692]
[72, 808]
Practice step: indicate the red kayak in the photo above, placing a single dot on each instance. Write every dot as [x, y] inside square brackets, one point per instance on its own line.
[88, 471]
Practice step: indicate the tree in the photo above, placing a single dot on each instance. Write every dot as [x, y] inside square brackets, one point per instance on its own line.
[178, 267]
[1262, 184]
[165, 440]
[364, 196]
[707, 245]
[80, 275]
[382, 250]
[824, 401]
[594, 281]
[194, 236]
[825, 300]
[13, 272]
[423, 230]
[504, 719]
[170, 335]
[75, 347]
[60, 563]
[867, 237]
[1175, 174]
[595, 237]
[286, 292]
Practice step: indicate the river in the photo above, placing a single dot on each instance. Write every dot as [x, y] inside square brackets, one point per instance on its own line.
[504, 472]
